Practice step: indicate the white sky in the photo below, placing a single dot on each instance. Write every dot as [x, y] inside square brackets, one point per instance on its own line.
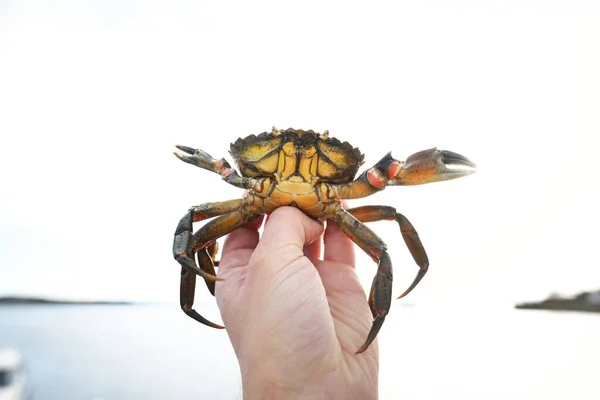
[95, 94]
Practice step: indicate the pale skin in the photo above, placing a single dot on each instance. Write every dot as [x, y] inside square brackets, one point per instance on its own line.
[295, 320]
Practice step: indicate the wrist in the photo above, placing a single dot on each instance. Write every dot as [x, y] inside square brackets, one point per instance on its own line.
[257, 385]
[269, 391]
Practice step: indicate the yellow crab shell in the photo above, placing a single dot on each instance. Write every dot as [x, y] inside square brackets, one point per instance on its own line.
[281, 154]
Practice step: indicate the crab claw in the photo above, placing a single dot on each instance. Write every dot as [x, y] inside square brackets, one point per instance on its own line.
[201, 159]
[432, 165]
[186, 149]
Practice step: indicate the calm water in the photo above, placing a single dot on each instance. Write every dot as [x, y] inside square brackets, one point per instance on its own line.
[154, 352]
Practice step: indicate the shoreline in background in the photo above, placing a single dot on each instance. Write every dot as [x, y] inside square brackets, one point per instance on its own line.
[24, 300]
[586, 302]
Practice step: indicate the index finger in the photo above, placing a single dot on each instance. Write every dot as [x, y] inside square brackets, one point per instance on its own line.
[244, 237]
[239, 245]
[338, 246]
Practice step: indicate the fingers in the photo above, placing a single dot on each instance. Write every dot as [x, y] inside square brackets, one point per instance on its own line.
[245, 237]
[286, 233]
[239, 245]
[313, 251]
[338, 246]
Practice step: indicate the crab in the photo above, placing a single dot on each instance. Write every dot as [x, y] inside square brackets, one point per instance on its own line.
[313, 172]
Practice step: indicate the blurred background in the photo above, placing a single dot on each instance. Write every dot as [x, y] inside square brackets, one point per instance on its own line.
[94, 95]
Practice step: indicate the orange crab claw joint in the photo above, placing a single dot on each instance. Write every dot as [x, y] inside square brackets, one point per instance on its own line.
[432, 165]
[394, 169]
[376, 178]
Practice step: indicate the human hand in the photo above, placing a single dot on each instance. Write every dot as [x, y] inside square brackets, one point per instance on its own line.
[295, 321]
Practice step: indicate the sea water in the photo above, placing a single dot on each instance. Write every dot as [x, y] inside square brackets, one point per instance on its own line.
[156, 352]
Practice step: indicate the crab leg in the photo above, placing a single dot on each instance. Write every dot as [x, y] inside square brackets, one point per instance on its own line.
[409, 234]
[187, 287]
[187, 291]
[183, 232]
[185, 245]
[423, 167]
[207, 263]
[380, 297]
[202, 159]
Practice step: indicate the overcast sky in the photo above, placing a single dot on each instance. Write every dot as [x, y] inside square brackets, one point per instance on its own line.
[95, 94]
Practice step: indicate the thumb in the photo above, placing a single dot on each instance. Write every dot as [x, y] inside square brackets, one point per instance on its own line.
[286, 232]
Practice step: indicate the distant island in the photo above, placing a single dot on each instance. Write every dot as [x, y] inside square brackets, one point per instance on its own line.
[40, 300]
[586, 301]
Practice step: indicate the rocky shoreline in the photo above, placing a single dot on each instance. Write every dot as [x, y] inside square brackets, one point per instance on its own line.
[15, 300]
[586, 302]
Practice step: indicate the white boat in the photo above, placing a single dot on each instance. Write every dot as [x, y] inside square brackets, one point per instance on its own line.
[14, 383]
